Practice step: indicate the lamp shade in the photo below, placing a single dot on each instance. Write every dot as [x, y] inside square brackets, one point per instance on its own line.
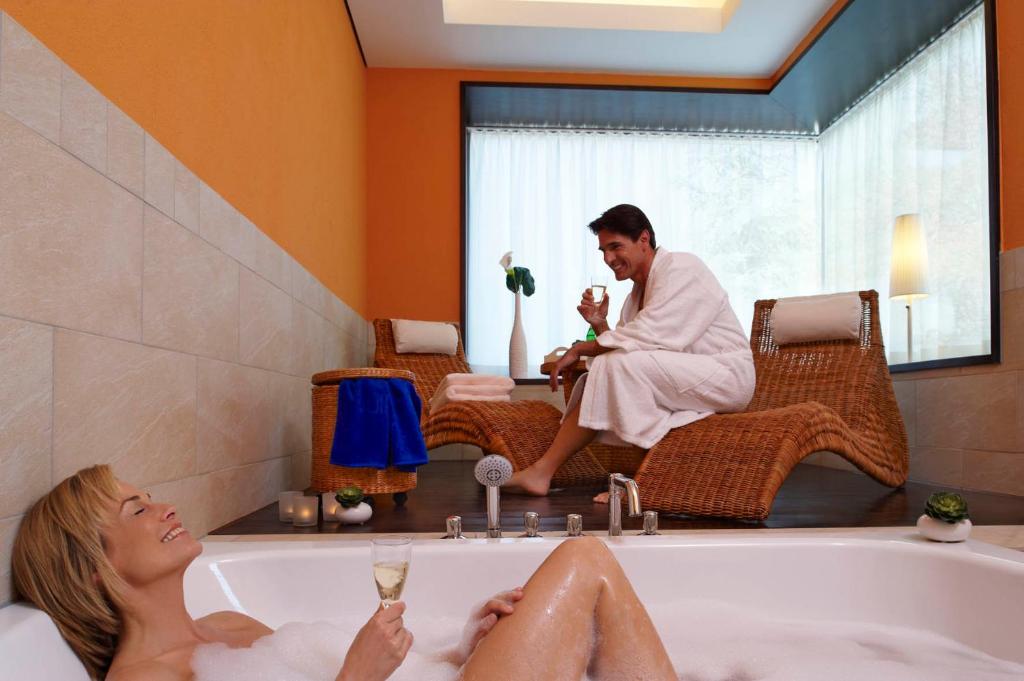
[908, 271]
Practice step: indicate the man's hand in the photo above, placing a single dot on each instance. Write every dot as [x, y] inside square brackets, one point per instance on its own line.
[482, 620]
[565, 363]
[379, 647]
[593, 314]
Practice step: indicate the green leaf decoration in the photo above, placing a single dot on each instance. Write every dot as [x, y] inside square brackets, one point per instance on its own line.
[349, 496]
[520, 277]
[946, 506]
[528, 285]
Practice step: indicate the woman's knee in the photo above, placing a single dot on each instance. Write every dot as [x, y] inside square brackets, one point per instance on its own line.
[586, 548]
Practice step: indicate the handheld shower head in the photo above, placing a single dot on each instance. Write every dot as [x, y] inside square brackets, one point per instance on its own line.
[493, 471]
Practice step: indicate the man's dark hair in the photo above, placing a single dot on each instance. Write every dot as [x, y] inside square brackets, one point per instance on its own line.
[624, 219]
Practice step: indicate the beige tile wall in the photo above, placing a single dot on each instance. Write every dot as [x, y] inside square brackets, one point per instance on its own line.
[144, 322]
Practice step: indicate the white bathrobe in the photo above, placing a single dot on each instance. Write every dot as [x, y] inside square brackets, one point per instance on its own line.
[682, 357]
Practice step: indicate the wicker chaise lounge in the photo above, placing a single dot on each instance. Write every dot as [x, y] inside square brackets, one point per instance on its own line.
[832, 396]
[519, 430]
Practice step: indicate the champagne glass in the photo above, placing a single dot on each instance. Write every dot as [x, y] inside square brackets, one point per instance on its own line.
[391, 557]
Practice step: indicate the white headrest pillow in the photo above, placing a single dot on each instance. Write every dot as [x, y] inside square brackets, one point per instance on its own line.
[803, 319]
[425, 337]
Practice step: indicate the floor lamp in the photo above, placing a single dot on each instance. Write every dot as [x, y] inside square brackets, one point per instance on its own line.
[908, 272]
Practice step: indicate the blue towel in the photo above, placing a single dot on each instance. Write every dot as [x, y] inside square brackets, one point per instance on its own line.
[378, 425]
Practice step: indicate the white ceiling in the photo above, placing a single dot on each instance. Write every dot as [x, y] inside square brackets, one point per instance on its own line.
[412, 34]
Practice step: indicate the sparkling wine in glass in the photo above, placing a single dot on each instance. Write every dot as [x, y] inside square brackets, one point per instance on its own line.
[391, 557]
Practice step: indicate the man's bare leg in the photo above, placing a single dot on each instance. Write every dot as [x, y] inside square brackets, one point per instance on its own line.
[579, 613]
[571, 438]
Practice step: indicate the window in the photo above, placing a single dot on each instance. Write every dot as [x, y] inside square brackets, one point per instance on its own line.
[772, 215]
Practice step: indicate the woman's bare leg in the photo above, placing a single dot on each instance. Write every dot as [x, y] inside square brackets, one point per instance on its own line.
[571, 438]
[578, 613]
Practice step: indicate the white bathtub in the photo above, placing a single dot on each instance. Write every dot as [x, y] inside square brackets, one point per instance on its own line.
[972, 592]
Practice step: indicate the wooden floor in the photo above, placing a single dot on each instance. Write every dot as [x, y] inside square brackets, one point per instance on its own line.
[812, 496]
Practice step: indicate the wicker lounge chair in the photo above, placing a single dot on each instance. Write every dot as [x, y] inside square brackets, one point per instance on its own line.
[832, 396]
[519, 430]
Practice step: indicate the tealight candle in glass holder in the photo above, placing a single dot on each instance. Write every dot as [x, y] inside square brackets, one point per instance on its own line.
[286, 505]
[330, 506]
[305, 511]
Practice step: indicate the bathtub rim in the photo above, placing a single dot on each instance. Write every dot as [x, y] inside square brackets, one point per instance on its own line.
[21, 620]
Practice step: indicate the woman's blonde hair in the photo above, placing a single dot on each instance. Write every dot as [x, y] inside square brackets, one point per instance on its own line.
[59, 565]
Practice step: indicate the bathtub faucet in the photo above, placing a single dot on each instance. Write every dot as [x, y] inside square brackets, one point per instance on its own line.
[617, 484]
[492, 472]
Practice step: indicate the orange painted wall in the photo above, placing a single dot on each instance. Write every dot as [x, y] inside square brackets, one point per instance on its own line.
[413, 176]
[413, 168]
[1010, 42]
[263, 99]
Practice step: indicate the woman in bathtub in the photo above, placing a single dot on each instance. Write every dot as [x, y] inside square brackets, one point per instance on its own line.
[107, 564]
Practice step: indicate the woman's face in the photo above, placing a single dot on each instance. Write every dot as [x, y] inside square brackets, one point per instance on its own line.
[144, 540]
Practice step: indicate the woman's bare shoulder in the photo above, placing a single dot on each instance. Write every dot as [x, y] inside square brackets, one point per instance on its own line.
[231, 622]
[147, 671]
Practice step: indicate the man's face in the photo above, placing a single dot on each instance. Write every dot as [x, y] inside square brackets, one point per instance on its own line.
[623, 255]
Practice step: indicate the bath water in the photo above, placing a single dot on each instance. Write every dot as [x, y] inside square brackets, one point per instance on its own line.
[707, 641]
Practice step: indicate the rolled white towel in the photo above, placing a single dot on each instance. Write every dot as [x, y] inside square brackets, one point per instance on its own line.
[455, 394]
[503, 382]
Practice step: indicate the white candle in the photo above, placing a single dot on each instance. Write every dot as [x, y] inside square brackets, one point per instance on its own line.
[305, 511]
[330, 505]
[286, 505]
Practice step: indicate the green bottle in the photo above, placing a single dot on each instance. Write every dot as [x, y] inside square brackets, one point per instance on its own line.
[591, 335]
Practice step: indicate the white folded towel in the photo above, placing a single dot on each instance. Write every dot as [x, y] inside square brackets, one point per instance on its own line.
[803, 319]
[469, 394]
[503, 382]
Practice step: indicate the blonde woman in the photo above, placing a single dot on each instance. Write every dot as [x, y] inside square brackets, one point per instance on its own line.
[107, 563]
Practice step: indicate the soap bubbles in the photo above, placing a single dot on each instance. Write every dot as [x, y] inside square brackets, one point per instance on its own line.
[707, 641]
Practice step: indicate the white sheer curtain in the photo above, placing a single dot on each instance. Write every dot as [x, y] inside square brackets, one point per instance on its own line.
[740, 203]
[772, 216]
[917, 144]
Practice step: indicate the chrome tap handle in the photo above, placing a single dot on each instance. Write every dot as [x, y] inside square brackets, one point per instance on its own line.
[650, 522]
[573, 525]
[453, 527]
[619, 484]
[531, 520]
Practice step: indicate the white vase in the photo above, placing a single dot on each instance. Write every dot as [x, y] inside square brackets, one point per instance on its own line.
[357, 515]
[939, 530]
[517, 345]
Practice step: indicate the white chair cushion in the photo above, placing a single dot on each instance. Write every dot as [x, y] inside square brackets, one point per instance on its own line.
[835, 316]
[425, 337]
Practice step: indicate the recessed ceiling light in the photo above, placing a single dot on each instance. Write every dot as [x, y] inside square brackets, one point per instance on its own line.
[689, 16]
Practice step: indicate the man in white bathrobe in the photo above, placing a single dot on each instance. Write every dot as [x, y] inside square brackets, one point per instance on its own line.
[678, 353]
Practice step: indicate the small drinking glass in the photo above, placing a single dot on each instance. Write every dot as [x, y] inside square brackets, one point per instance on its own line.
[391, 557]
[598, 286]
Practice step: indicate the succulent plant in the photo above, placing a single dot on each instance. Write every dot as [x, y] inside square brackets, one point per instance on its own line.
[349, 496]
[946, 506]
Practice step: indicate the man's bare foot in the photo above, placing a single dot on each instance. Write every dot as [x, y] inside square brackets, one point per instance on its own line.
[601, 498]
[528, 481]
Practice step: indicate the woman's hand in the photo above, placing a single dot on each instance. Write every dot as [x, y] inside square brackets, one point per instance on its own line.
[565, 363]
[482, 620]
[378, 648]
[594, 314]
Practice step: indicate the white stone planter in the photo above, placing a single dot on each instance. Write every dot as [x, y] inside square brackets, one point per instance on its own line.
[357, 515]
[939, 530]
